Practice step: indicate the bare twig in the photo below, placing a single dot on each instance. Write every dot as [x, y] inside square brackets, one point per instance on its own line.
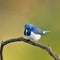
[47, 48]
[1, 52]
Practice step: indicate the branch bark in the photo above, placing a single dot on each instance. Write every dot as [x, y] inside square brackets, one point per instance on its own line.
[1, 52]
[47, 48]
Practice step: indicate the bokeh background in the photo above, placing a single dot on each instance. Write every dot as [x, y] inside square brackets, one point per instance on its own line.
[43, 13]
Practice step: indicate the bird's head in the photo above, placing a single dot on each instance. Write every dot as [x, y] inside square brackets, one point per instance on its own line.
[28, 26]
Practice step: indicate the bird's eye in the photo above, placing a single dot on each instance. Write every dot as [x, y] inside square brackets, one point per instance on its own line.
[28, 28]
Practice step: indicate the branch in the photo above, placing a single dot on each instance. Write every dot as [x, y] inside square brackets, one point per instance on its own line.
[47, 48]
[1, 52]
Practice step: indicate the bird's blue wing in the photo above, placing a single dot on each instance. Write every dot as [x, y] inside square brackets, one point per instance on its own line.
[36, 30]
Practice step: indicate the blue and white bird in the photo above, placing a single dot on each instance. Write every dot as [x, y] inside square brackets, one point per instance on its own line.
[33, 32]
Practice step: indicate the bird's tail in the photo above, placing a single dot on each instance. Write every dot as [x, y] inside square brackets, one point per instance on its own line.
[44, 31]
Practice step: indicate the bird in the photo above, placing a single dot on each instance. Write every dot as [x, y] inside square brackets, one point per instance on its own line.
[32, 32]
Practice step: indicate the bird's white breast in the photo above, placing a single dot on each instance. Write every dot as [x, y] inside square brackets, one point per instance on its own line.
[34, 36]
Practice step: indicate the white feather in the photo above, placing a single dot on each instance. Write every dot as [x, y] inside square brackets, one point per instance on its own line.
[45, 31]
[34, 36]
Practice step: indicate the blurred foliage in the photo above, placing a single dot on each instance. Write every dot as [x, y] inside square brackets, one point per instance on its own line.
[43, 13]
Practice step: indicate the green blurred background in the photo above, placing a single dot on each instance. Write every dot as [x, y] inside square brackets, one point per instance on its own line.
[43, 13]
